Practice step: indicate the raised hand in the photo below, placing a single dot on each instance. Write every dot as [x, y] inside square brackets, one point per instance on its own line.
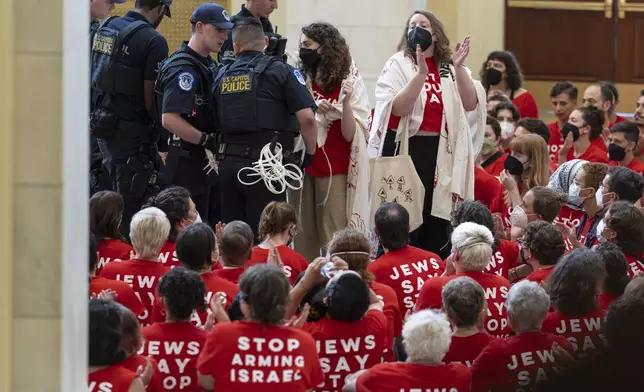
[462, 51]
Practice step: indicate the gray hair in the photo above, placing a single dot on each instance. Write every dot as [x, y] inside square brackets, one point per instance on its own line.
[463, 300]
[427, 336]
[527, 305]
[474, 244]
[149, 230]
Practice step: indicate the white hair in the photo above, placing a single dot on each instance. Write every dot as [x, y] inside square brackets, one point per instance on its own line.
[149, 230]
[427, 336]
[474, 244]
[527, 305]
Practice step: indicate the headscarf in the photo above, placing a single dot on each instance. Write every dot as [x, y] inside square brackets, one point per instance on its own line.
[564, 176]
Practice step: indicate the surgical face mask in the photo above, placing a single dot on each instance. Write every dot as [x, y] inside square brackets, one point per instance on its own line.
[507, 130]
[599, 196]
[600, 229]
[518, 217]
[310, 57]
[573, 195]
[489, 146]
[616, 153]
[419, 36]
[493, 76]
[198, 220]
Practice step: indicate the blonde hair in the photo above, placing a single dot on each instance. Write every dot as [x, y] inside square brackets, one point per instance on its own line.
[535, 147]
[474, 244]
[427, 336]
[149, 230]
[442, 50]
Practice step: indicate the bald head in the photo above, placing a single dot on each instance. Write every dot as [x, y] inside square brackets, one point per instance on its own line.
[248, 35]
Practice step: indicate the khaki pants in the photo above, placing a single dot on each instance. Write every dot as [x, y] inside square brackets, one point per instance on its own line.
[319, 222]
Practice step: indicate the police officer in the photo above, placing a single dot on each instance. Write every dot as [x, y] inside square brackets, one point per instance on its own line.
[126, 52]
[184, 84]
[99, 179]
[259, 99]
[260, 9]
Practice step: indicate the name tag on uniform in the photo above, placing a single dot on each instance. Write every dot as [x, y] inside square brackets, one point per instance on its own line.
[236, 84]
[103, 44]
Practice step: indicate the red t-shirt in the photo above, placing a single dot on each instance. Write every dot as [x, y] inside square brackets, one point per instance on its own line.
[230, 274]
[582, 332]
[635, 266]
[586, 229]
[168, 255]
[337, 148]
[527, 105]
[394, 317]
[135, 361]
[175, 347]
[214, 284]
[433, 113]
[555, 142]
[125, 295]
[496, 167]
[569, 216]
[635, 165]
[605, 300]
[245, 356]
[519, 361]
[540, 275]
[504, 258]
[345, 348]
[412, 377]
[496, 291]
[115, 378]
[618, 120]
[143, 276]
[486, 187]
[466, 349]
[596, 152]
[405, 270]
[294, 263]
[109, 250]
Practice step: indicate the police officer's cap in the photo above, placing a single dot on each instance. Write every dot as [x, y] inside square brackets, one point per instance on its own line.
[212, 13]
[167, 4]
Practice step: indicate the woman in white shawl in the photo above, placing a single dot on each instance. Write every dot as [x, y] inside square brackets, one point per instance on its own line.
[335, 188]
[425, 91]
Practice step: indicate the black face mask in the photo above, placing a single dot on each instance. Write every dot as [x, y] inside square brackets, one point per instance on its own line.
[310, 57]
[493, 76]
[567, 128]
[616, 153]
[419, 36]
[513, 166]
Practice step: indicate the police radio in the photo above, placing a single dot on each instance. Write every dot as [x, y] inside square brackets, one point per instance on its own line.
[276, 45]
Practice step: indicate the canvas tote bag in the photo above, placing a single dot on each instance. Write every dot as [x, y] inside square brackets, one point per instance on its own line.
[395, 180]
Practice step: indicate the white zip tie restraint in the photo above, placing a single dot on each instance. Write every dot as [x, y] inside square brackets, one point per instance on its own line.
[270, 169]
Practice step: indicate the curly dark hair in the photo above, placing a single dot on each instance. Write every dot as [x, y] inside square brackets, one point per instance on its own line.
[104, 333]
[183, 292]
[105, 212]
[616, 268]
[335, 63]
[627, 221]
[594, 118]
[512, 69]
[276, 218]
[507, 106]
[265, 289]
[175, 202]
[626, 183]
[475, 212]
[544, 242]
[572, 285]
[442, 50]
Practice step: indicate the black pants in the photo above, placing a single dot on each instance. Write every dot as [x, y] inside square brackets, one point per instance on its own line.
[208, 204]
[432, 235]
[122, 183]
[242, 202]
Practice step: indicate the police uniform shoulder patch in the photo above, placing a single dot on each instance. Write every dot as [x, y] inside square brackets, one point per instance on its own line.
[186, 81]
[299, 76]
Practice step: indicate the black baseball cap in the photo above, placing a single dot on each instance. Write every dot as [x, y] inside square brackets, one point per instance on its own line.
[212, 13]
[167, 4]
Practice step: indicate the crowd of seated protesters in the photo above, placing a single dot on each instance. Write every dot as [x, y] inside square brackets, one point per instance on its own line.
[542, 289]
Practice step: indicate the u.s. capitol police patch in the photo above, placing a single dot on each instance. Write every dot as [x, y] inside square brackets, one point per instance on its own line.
[186, 81]
[299, 76]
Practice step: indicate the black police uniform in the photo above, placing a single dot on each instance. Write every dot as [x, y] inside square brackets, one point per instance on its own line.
[126, 52]
[99, 179]
[256, 98]
[227, 54]
[183, 86]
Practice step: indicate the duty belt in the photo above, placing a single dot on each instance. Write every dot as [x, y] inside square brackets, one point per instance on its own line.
[243, 151]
